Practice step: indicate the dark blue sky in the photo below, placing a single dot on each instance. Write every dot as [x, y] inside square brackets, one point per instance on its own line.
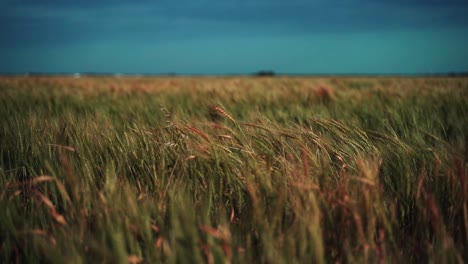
[243, 36]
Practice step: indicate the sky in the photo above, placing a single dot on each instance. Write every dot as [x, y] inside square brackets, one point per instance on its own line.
[234, 37]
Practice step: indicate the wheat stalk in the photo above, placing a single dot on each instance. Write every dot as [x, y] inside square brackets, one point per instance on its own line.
[219, 110]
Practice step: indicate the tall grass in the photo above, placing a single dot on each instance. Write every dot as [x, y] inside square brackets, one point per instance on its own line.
[233, 170]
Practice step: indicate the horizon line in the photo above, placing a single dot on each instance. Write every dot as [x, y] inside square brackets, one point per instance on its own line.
[261, 73]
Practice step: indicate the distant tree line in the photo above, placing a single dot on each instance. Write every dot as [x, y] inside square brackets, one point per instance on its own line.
[264, 73]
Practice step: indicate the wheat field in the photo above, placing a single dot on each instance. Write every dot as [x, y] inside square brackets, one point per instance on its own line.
[233, 169]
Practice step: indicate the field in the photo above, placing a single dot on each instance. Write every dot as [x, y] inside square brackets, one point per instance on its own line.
[233, 170]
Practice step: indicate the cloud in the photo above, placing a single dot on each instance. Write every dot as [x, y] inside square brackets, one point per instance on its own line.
[427, 3]
[296, 15]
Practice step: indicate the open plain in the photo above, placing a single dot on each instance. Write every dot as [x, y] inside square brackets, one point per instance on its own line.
[233, 169]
